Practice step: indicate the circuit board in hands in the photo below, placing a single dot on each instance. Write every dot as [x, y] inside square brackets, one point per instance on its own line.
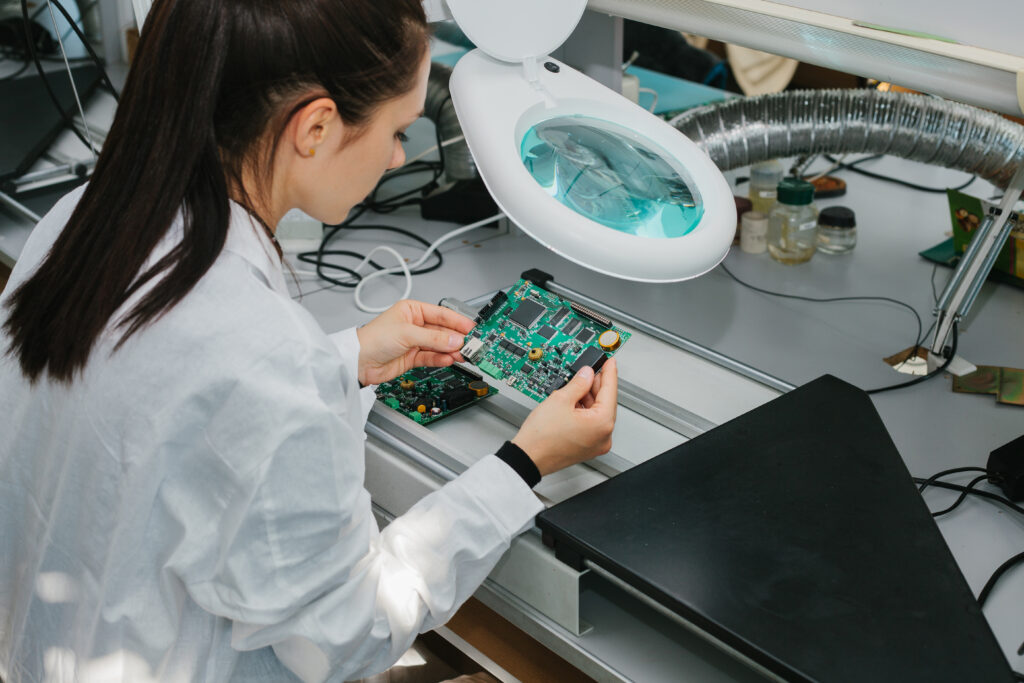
[535, 341]
[426, 395]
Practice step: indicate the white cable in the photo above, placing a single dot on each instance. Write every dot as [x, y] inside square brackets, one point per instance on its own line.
[74, 88]
[653, 92]
[450, 141]
[629, 62]
[406, 268]
[828, 170]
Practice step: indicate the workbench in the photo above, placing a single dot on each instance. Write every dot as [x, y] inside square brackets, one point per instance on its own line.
[620, 636]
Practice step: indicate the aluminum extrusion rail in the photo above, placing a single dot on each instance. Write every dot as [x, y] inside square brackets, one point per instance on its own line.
[672, 338]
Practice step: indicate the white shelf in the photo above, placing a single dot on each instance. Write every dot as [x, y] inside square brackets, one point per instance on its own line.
[971, 74]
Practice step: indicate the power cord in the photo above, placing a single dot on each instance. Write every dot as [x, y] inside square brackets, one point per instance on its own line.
[826, 299]
[924, 378]
[935, 480]
[362, 306]
[354, 278]
[1003, 500]
[854, 166]
[918, 340]
[315, 258]
[34, 57]
[840, 165]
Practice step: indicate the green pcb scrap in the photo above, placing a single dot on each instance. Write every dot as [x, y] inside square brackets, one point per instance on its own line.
[535, 341]
[426, 395]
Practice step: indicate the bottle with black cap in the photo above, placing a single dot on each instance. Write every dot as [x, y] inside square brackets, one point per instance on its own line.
[837, 230]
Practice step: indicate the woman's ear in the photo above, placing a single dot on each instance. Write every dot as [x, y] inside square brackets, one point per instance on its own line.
[313, 124]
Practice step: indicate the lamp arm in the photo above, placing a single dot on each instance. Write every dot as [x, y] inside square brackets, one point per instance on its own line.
[963, 287]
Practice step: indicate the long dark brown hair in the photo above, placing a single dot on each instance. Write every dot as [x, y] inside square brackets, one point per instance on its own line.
[212, 81]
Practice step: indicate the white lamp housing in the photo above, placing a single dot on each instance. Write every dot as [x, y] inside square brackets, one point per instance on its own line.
[589, 174]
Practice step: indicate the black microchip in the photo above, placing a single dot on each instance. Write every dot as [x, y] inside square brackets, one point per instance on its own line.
[585, 336]
[527, 369]
[559, 316]
[528, 313]
[592, 356]
[420, 373]
[554, 384]
[517, 350]
[572, 326]
[458, 397]
[466, 373]
[546, 331]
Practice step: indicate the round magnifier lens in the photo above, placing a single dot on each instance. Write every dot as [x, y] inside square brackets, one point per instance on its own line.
[612, 176]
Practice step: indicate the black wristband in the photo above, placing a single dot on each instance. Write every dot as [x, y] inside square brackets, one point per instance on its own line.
[516, 458]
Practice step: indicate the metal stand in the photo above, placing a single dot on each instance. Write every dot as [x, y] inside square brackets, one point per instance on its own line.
[962, 289]
[19, 208]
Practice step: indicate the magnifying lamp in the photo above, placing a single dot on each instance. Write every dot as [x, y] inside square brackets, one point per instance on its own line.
[581, 169]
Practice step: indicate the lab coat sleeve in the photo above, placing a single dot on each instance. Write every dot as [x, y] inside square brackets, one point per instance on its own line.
[347, 343]
[299, 563]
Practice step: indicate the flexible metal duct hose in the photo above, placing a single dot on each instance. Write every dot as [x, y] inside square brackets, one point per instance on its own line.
[458, 162]
[742, 131]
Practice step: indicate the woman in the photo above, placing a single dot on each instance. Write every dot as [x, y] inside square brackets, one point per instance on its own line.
[181, 465]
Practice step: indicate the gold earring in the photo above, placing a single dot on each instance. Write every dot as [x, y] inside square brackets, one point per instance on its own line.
[312, 151]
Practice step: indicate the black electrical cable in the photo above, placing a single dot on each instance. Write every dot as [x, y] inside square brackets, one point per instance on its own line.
[14, 74]
[34, 58]
[381, 206]
[68, 120]
[991, 583]
[970, 490]
[85, 43]
[923, 378]
[974, 492]
[406, 198]
[945, 473]
[853, 166]
[962, 497]
[1003, 568]
[907, 306]
[316, 258]
[827, 299]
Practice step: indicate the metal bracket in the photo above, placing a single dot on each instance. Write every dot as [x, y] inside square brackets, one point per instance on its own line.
[963, 287]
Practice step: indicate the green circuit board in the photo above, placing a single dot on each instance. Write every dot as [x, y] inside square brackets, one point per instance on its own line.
[426, 395]
[535, 341]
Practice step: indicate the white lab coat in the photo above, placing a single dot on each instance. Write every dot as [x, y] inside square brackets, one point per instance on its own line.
[192, 508]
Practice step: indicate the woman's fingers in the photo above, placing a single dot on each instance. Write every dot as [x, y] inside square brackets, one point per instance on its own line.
[427, 339]
[445, 317]
[433, 359]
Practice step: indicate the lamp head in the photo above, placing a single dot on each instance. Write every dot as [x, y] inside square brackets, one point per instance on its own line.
[589, 174]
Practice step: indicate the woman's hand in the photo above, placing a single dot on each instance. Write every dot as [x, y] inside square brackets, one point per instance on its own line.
[409, 335]
[574, 423]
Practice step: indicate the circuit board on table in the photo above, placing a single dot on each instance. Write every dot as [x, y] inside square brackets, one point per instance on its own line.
[429, 394]
[536, 341]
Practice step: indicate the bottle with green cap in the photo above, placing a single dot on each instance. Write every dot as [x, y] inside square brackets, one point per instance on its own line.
[793, 223]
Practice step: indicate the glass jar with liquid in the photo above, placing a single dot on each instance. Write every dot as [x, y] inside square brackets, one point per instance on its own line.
[793, 223]
[764, 182]
[837, 230]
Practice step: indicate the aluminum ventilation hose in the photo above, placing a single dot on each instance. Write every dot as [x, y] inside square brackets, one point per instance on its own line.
[458, 162]
[742, 131]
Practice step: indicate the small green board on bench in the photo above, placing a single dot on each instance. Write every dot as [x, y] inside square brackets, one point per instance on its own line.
[426, 395]
[536, 341]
